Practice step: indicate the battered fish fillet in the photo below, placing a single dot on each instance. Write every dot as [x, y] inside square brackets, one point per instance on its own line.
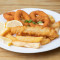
[35, 31]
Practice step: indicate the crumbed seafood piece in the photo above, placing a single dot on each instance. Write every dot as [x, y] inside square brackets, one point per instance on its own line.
[40, 16]
[19, 14]
[35, 31]
[9, 16]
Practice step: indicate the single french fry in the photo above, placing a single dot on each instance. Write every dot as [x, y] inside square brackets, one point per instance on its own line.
[24, 44]
[56, 26]
[51, 19]
[7, 41]
[3, 29]
[29, 39]
[11, 37]
[45, 41]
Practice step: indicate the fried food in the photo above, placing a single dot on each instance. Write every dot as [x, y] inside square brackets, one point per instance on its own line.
[56, 26]
[7, 41]
[29, 39]
[45, 41]
[13, 23]
[40, 16]
[3, 29]
[9, 16]
[11, 37]
[35, 31]
[51, 19]
[30, 31]
[22, 13]
[21, 43]
[26, 39]
[24, 44]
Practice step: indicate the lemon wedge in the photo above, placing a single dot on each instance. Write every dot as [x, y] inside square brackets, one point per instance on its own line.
[13, 23]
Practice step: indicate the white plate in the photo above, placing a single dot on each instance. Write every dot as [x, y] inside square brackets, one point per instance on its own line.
[52, 45]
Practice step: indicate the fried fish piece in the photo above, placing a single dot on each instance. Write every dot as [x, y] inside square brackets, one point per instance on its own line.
[35, 31]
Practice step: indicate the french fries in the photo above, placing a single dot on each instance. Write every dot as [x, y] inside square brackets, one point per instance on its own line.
[29, 39]
[19, 43]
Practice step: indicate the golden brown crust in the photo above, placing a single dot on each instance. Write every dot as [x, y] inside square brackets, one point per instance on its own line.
[9, 16]
[41, 17]
[22, 13]
[35, 31]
